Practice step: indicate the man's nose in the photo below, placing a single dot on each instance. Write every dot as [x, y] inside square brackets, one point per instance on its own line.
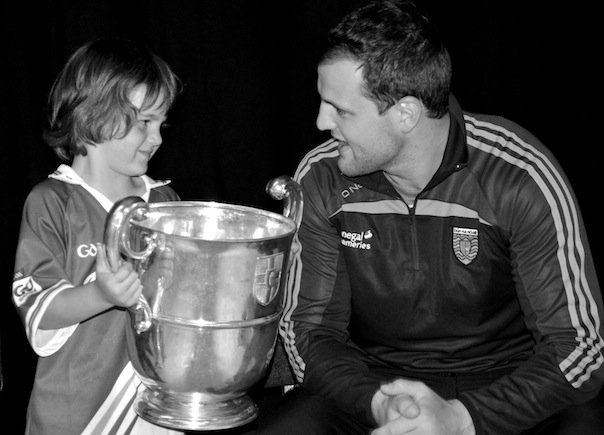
[324, 118]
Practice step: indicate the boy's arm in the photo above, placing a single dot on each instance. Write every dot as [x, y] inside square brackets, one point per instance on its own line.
[76, 304]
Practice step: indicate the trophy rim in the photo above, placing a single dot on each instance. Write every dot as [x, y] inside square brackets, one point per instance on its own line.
[289, 225]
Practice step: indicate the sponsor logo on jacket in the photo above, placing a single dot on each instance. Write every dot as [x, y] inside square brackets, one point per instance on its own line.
[356, 240]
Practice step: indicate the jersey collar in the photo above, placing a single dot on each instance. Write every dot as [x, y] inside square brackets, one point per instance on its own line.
[66, 174]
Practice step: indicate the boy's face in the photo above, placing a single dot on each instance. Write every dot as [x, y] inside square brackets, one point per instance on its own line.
[130, 155]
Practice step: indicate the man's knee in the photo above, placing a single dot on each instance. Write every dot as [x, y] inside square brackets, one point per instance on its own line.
[584, 419]
[300, 412]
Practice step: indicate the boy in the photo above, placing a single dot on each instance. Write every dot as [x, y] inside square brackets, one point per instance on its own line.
[106, 109]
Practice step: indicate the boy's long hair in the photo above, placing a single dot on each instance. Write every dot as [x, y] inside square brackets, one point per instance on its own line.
[400, 52]
[90, 100]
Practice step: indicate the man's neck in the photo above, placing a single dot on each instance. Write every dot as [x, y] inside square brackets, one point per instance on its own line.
[421, 161]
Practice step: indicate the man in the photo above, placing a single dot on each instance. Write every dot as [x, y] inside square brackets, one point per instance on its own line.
[442, 283]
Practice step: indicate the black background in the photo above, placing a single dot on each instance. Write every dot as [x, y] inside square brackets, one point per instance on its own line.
[247, 113]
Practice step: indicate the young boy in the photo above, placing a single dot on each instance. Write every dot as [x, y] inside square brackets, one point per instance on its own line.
[106, 110]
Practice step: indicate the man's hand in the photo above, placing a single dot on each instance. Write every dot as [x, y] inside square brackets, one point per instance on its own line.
[387, 407]
[121, 287]
[410, 407]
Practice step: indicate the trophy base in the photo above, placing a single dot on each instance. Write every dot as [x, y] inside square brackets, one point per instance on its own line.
[174, 412]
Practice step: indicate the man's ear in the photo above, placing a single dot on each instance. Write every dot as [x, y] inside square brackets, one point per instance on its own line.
[407, 111]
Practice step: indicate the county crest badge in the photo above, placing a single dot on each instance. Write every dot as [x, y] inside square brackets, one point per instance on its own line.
[465, 244]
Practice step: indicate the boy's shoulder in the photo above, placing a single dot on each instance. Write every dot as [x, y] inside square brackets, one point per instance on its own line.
[53, 188]
[54, 196]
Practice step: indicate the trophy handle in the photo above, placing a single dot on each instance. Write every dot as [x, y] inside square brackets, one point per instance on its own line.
[115, 238]
[286, 189]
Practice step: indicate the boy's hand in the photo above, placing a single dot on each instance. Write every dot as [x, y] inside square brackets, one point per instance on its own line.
[121, 287]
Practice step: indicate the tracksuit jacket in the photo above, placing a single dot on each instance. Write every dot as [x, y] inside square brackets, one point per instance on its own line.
[486, 280]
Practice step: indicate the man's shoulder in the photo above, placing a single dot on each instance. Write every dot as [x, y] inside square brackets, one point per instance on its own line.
[491, 127]
[318, 170]
[323, 157]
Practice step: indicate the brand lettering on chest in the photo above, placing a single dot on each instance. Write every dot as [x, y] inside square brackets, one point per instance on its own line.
[87, 250]
[350, 190]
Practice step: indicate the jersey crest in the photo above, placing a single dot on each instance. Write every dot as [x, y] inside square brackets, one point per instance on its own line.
[465, 244]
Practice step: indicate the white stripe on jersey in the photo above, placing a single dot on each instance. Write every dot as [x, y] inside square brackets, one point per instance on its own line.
[123, 391]
[106, 420]
[46, 342]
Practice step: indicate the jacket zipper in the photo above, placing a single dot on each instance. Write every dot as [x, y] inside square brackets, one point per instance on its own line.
[413, 230]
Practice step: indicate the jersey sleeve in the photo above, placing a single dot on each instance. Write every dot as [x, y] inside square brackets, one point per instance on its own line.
[561, 301]
[315, 322]
[39, 271]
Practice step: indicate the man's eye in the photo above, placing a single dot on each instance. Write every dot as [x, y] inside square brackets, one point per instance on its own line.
[341, 112]
[144, 121]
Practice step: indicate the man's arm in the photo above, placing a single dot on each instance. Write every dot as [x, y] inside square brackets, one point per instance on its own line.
[558, 292]
[317, 313]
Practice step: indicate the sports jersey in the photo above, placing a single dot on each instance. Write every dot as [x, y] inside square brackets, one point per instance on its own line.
[84, 382]
[487, 273]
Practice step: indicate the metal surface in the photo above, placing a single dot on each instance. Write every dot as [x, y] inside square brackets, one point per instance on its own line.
[205, 328]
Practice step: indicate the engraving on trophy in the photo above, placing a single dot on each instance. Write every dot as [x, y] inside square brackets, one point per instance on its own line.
[267, 277]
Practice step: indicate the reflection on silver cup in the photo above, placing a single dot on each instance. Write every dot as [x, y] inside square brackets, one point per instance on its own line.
[204, 331]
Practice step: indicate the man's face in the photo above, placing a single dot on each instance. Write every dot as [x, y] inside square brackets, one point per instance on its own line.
[368, 141]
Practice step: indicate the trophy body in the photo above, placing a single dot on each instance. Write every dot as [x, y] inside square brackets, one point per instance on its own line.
[204, 331]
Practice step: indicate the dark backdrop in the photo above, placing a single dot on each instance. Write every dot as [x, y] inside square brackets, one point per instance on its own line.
[249, 105]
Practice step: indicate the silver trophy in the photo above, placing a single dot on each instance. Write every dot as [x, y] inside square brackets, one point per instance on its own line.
[204, 331]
